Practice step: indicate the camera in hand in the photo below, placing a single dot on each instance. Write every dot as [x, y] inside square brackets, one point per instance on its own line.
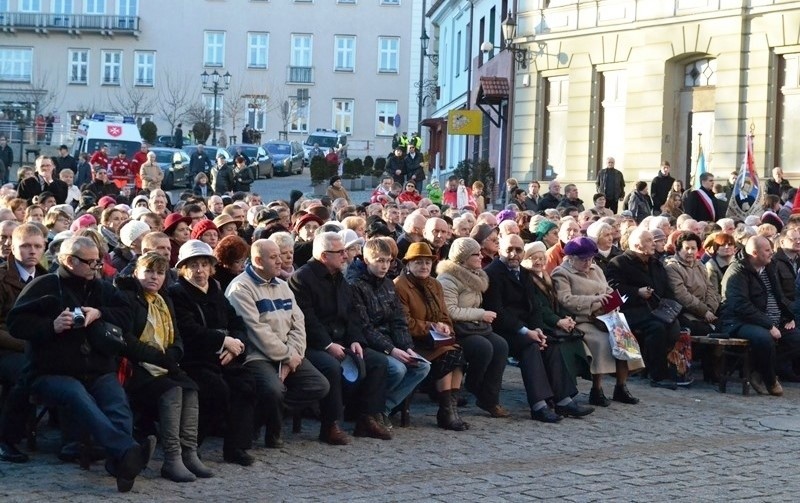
[78, 319]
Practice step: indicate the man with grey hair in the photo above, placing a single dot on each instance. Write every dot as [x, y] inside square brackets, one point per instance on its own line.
[639, 275]
[65, 317]
[413, 228]
[552, 198]
[6, 229]
[436, 234]
[335, 336]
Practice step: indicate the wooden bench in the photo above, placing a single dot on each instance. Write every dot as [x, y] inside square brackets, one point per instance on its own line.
[722, 349]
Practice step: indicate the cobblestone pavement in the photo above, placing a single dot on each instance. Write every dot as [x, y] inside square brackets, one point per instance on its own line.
[685, 445]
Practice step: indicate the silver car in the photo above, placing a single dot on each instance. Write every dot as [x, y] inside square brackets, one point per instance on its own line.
[260, 162]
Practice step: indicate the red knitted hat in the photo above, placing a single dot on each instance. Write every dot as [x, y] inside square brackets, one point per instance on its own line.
[202, 227]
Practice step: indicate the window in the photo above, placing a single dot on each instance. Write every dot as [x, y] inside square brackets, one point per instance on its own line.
[458, 54]
[257, 50]
[111, 67]
[144, 68]
[62, 7]
[344, 53]
[390, 2]
[301, 50]
[256, 117]
[787, 150]
[388, 54]
[555, 127]
[343, 115]
[30, 5]
[208, 102]
[385, 111]
[15, 64]
[78, 66]
[701, 73]
[214, 48]
[127, 7]
[299, 116]
[94, 6]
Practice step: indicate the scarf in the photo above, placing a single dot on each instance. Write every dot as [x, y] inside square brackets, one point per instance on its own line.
[545, 285]
[433, 310]
[158, 331]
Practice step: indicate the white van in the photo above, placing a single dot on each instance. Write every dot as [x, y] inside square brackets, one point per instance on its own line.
[113, 130]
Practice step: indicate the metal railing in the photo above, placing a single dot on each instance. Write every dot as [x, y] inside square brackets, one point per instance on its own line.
[301, 75]
[85, 22]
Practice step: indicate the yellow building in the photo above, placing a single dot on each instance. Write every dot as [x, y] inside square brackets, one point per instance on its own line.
[650, 80]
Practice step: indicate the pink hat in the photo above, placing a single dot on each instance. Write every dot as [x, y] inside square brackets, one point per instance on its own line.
[105, 201]
[83, 222]
[172, 221]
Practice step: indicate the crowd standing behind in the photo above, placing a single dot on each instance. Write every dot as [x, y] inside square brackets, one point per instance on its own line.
[213, 315]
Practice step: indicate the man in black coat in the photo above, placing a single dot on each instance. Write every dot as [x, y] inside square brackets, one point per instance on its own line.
[552, 198]
[414, 171]
[753, 308]
[639, 275]
[396, 166]
[660, 187]
[611, 184]
[511, 294]
[64, 160]
[6, 157]
[43, 181]
[71, 363]
[335, 335]
[701, 204]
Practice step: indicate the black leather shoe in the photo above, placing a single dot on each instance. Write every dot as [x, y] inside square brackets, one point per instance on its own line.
[664, 383]
[598, 398]
[238, 456]
[573, 409]
[273, 440]
[545, 415]
[10, 453]
[621, 394]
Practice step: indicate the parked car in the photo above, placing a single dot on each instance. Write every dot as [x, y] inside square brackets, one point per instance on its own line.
[167, 140]
[287, 156]
[173, 163]
[260, 161]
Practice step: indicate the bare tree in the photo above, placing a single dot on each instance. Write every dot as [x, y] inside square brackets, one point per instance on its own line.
[235, 105]
[174, 99]
[132, 100]
[44, 92]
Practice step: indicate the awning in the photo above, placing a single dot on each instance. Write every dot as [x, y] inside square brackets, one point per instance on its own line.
[492, 90]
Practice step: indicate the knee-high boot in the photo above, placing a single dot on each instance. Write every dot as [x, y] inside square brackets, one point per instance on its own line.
[170, 406]
[189, 426]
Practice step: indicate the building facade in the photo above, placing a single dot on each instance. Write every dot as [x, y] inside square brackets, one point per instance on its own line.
[651, 80]
[295, 66]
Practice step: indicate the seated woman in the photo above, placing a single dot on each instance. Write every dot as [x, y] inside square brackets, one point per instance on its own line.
[214, 338]
[642, 278]
[463, 283]
[231, 254]
[692, 287]
[410, 194]
[721, 247]
[172, 394]
[582, 287]
[603, 236]
[285, 243]
[423, 302]
[534, 259]
[176, 226]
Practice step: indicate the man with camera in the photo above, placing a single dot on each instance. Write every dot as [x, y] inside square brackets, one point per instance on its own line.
[69, 319]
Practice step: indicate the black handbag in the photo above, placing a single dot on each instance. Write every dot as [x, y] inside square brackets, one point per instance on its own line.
[561, 335]
[106, 338]
[470, 328]
[667, 310]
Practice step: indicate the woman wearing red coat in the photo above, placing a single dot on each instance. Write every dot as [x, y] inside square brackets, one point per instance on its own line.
[410, 195]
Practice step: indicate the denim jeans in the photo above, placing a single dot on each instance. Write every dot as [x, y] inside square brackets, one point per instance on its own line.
[101, 405]
[401, 380]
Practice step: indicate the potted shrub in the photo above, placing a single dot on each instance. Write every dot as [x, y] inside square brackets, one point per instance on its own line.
[321, 172]
[149, 132]
[351, 174]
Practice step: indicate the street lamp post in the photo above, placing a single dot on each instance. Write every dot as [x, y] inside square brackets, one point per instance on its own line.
[212, 83]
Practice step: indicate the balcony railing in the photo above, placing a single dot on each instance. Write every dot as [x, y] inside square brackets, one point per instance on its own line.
[301, 75]
[10, 21]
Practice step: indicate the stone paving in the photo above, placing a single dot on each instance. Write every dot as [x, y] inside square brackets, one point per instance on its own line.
[685, 445]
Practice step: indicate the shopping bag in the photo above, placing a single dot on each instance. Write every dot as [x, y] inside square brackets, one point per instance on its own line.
[623, 343]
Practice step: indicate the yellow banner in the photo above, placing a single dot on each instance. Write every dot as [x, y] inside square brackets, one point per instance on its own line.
[464, 122]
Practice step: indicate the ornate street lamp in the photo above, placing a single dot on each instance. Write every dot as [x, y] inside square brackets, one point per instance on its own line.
[212, 83]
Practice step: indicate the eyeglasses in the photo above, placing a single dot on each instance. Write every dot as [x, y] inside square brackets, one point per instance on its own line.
[340, 252]
[93, 263]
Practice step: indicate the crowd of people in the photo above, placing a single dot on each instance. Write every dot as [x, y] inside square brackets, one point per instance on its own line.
[216, 314]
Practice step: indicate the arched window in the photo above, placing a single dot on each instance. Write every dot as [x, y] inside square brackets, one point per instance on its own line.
[702, 72]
